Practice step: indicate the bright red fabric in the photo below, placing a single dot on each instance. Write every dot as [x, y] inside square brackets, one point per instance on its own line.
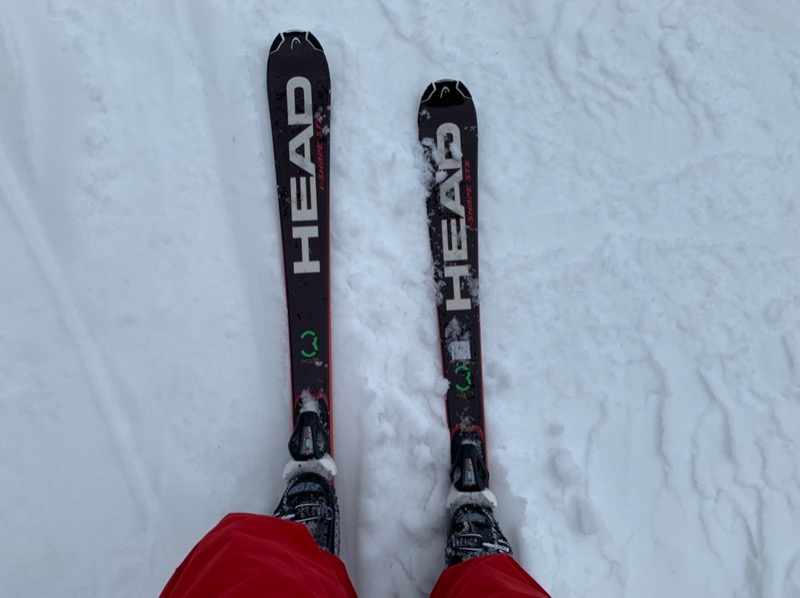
[256, 555]
[498, 576]
[248, 555]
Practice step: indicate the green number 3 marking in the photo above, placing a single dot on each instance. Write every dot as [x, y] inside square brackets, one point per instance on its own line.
[314, 343]
[467, 376]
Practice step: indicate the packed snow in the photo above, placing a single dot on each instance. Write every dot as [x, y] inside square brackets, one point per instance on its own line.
[640, 288]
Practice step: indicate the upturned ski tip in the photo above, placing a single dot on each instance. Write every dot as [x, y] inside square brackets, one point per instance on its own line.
[293, 38]
[446, 92]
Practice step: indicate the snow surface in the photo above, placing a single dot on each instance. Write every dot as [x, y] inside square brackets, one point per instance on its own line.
[640, 292]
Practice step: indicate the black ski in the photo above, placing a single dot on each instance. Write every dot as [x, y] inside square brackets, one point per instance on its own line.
[299, 93]
[448, 131]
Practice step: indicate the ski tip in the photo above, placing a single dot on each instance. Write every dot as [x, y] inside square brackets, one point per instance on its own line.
[446, 92]
[294, 39]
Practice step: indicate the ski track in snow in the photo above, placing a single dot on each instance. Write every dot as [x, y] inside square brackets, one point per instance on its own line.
[640, 206]
[101, 381]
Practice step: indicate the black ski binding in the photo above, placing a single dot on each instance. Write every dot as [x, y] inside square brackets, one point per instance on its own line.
[469, 472]
[311, 438]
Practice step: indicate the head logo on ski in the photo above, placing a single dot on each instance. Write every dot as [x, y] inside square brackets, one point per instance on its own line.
[298, 88]
[448, 131]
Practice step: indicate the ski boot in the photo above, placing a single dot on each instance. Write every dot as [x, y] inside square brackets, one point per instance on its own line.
[474, 532]
[310, 499]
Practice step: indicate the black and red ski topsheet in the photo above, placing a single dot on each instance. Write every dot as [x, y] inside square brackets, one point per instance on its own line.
[448, 131]
[299, 93]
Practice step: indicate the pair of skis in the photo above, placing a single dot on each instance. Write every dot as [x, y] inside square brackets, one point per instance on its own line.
[299, 92]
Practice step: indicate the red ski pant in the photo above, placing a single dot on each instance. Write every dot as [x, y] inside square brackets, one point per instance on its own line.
[256, 555]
